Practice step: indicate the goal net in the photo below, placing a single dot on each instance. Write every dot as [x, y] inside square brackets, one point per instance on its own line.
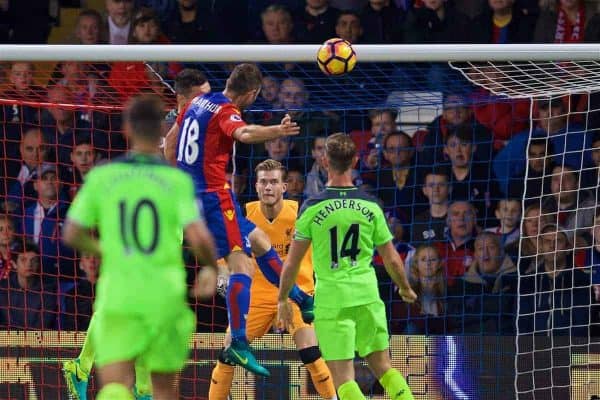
[487, 172]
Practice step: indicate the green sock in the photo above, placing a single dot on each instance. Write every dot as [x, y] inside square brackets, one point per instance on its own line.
[88, 355]
[114, 391]
[395, 385]
[143, 382]
[350, 391]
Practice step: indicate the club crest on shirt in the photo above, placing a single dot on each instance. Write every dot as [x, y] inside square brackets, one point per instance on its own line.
[235, 118]
[229, 214]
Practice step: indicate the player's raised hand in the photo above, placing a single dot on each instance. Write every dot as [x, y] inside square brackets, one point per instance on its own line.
[285, 315]
[288, 127]
[205, 285]
[407, 294]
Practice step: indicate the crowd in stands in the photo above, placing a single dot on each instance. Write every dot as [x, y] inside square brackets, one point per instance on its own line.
[453, 191]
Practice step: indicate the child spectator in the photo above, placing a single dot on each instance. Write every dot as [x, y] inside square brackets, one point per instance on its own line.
[429, 225]
[470, 178]
[27, 300]
[76, 304]
[508, 212]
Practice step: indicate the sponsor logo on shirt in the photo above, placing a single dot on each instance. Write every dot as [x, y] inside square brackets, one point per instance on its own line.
[229, 214]
[235, 118]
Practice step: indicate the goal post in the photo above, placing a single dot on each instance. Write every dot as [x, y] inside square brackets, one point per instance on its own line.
[509, 310]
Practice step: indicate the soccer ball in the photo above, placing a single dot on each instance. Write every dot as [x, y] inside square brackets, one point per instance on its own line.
[336, 57]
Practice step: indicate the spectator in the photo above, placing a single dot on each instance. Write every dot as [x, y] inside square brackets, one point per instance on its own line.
[382, 22]
[565, 23]
[277, 25]
[62, 126]
[573, 209]
[554, 297]
[295, 185]
[590, 177]
[592, 30]
[21, 178]
[528, 247]
[503, 22]
[508, 213]
[294, 98]
[42, 224]
[348, 26]
[282, 149]
[88, 27]
[188, 84]
[537, 182]
[191, 22]
[27, 300]
[470, 178]
[456, 112]
[396, 179]
[457, 249]
[436, 21]
[7, 243]
[316, 23]
[317, 176]
[77, 301]
[268, 97]
[118, 20]
[28, 22]
[569, 141]
[427, 280]
[145, 29]
[484, 300]
[383, 122]
[430, 225]
[83, 158]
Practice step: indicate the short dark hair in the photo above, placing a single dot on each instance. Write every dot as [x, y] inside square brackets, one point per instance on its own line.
[347, 12]
[552, 102]
[187, 79]
[84, 138]
[541, 141]
[340, 150]
[462, 132]
[144, 114]
[439, 170]
[90, 13]
[25, 246]
[397, 133]
[244, 78]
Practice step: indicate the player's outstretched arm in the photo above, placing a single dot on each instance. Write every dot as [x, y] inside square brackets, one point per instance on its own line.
[259, 133]
[395, 268]
[80, 238]
[289, 273]
[169, 149]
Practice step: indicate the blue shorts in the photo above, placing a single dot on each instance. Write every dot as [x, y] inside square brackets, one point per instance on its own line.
[226, 222]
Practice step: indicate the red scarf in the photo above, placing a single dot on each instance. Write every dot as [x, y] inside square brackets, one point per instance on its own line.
[566, 32]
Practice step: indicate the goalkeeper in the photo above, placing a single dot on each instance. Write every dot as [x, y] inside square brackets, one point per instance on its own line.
[189, 83]
[344, 225]
[130, 202]
[275, 216]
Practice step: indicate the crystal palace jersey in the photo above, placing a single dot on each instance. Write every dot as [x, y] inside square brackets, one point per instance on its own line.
[345, 225]
[205, 140]
[280, 231]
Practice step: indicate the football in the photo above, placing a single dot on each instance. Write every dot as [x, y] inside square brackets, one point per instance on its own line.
[336, 57]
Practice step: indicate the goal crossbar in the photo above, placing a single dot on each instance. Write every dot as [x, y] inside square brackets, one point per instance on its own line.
[301, 53]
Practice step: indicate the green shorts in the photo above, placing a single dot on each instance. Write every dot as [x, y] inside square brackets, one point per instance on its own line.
[344, 331]
[159, 342]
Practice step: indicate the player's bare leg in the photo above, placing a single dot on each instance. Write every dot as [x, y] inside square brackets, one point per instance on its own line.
[238, 304]
[392, 381]
[116, 380]
[343, 379]
[270, 265]
[308, 348]
[164, 386]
